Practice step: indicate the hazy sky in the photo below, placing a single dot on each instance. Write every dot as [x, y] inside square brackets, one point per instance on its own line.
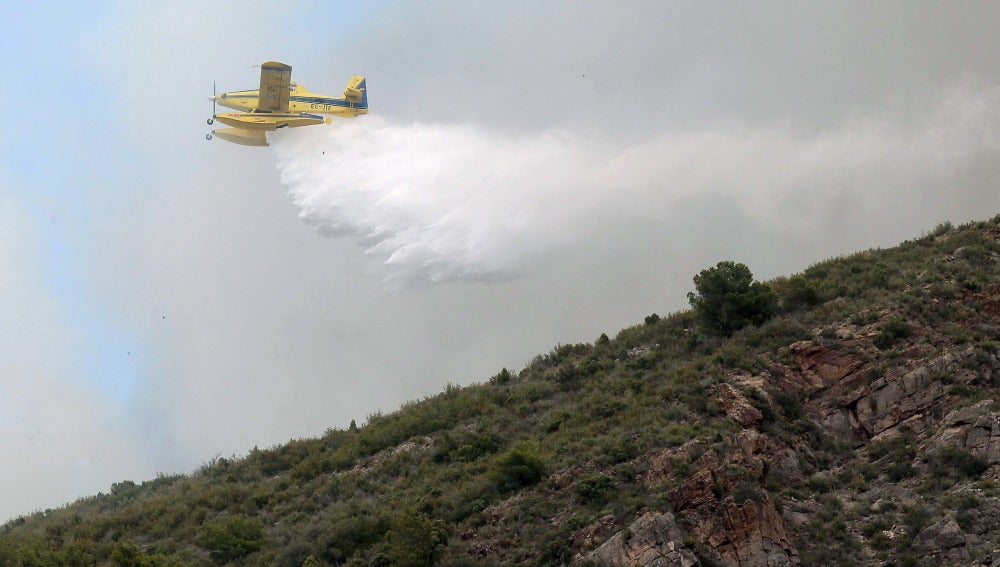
[532, 173]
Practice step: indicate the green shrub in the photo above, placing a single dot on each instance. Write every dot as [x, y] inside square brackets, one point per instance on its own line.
[965, 520]
[233, 539]
[891, 333]
[747, 491]
[556, 549]
[501, 377]
[415, 540]
[898, 448]
[594, 489]
[879, 276]
[126, 554]
[789, 405]
[899, 470]
[954, 463]
[343, 537]
[480, 446]
[728, 299]
[517, 468]
[620, 450]
[941, 229]
[916, 519]
[799, 292]
[738, 357]
[875, 374]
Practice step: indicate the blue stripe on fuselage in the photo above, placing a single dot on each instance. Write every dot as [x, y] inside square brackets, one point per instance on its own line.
[303, 99]
[321, 100]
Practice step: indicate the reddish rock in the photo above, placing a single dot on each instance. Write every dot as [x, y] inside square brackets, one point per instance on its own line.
[501, 513]
[742, 534]
[792, 382]
[662, 462]
[827, 365]
[695, 492]
[736, 406]
[754, 535]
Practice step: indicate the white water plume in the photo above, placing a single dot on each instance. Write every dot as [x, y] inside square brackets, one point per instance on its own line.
[443, 202]
[437, 202]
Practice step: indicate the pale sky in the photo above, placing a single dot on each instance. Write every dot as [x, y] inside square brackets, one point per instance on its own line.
[559, 169]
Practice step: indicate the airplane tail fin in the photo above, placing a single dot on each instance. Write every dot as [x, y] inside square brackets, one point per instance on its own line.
[356, 92]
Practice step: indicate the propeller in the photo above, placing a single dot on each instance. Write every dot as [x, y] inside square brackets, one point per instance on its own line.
[212, 119]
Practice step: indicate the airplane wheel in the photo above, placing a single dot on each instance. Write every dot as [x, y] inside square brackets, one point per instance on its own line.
[208, 136]
[210, 121]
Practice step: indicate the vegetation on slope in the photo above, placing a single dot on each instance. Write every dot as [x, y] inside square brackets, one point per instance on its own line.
[543, 465]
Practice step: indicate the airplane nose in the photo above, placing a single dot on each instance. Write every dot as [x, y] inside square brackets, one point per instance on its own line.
[213, 98]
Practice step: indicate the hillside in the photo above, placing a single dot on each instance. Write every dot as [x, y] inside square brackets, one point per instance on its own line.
[860, 425]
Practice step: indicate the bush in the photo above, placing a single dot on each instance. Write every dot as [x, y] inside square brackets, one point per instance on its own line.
[620, 451]
[518, 468]
[344, 537]
[126, 554]
[233, 539]
[954, 463]
[891, 333]
[898, 449]
[501, 377]
[594, 489]
[416, 540]
[800, 292]
[916, 519]
[481, 445]
[789, 405]
[898, 471]
[747, 491]
[728, 299]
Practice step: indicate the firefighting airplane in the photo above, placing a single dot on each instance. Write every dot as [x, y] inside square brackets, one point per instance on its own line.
[280, 103]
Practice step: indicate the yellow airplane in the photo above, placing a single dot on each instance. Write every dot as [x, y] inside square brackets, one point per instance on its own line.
[280, 103]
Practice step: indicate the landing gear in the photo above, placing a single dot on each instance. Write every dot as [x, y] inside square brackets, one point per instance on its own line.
[214, 95]
[208, 136]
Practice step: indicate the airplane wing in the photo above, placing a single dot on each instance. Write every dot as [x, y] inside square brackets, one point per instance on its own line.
[275, 79]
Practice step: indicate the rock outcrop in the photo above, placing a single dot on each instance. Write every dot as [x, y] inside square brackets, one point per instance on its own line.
[725, 508]
[737, 406]
[653, 540]
[943, 543]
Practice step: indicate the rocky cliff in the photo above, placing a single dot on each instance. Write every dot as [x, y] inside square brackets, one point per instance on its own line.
[905, 398]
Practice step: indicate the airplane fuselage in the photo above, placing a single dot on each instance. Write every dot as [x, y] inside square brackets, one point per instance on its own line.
[300, 100]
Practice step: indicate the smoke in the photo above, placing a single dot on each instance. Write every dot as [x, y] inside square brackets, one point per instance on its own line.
[436, 202]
